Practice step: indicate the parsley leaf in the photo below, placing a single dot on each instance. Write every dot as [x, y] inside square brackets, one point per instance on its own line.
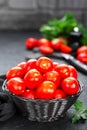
[80, 112]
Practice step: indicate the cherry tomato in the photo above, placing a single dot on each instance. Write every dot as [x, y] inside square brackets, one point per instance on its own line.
[28, 94]
[30, 64]
[55, 43]
[81, 49]
[32, 78]
[43, 42]
[63, 70]
[14, 72]
[46, 49]
[65, 48]
[59, 94]
[30, 43]
[23, 66]
[16, 85]
[70, 85]
[44, 64]
[73, 71]
[82, 57]
[52, 76]
[46, 90]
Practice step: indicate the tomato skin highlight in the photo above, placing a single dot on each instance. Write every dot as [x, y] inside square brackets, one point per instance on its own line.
[16, 85]
[46, 90]
[70, 86]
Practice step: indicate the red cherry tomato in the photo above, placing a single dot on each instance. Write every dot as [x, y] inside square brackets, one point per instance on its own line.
[28, 94]
[44, 64]
[30, 64]
[55, 43]
[70, 85]
[65, 48]
[30, 43]
[81, 49]
[46, 49]
[32, 78]
[82, 57]
[63, 70]
[16, 85]
[43, 42]
[46, 90]
[23, 66]
[52, 76]
[59, 94]
[73, 71]
[15, 72]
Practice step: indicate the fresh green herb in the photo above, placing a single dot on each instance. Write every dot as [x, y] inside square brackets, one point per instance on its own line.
[62, 27]
[80, 112]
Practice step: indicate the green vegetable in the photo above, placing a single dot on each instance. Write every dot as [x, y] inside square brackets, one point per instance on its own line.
[62, 27]
[80, 112]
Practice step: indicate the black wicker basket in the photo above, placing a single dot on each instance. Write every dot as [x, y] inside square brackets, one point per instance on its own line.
[43, 110]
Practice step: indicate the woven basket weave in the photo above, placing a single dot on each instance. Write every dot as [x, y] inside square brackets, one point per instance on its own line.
[43, 110]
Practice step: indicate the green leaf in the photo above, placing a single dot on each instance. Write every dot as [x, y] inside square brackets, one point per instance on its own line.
[78, 105]
[75, 118]
[84, 114]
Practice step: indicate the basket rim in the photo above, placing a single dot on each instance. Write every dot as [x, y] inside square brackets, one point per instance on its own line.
[4, 88]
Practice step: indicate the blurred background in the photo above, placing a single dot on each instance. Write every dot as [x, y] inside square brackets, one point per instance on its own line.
[31, 14]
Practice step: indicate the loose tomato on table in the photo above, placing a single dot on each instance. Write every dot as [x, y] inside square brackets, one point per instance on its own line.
[16, 85]
[43, 42]
[65, 48]
[46, 49]
[56, 43]
[81, 49]
[31, 42]
[46, 90]
[70, 85]
[82, 54]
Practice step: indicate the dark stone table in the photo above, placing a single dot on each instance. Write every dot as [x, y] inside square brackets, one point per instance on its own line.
[12, 52]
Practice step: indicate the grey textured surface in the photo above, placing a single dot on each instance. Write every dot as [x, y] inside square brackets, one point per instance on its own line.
[31, 14]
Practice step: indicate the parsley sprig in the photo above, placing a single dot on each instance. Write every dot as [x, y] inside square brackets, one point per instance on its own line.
[80, 112]
[62, 27]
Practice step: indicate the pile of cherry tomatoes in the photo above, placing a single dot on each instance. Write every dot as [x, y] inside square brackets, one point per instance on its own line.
[48, 46]
[42, 78]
